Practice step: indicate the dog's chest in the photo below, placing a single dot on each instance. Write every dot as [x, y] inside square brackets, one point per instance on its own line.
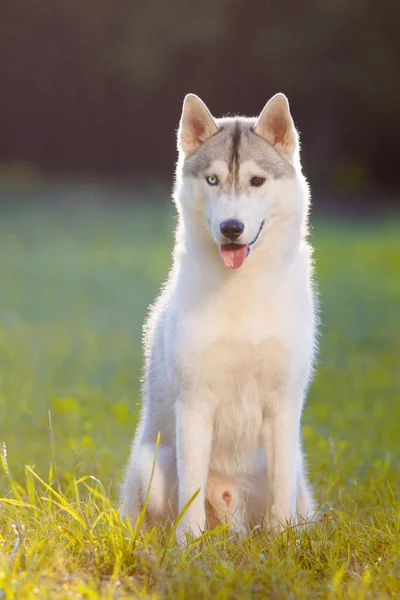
[237, 370]
[247, 381]
[237, 342]
[236, 431]
[246, 369]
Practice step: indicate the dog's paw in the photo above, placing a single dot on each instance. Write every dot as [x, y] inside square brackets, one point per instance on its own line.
[279, 520]
[186, 532]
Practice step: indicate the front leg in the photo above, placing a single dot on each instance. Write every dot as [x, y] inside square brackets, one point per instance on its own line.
[281, 439]
[194, 430]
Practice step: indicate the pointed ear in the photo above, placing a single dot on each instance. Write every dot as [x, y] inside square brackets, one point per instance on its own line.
[196, 124]
[275, 125]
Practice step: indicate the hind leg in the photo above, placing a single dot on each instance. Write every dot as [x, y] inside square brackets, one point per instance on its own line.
[162, 502]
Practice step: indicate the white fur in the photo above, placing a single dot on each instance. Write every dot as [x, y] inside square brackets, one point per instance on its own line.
[229, 356]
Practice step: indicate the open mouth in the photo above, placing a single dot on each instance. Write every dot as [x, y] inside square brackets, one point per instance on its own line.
[233, 255]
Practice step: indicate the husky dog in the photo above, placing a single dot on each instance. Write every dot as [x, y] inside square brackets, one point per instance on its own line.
[229, 344]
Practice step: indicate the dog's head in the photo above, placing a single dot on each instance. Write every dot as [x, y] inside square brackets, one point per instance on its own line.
[237, 176]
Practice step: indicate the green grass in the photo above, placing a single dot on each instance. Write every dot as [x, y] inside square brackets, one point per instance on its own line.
[75, 284]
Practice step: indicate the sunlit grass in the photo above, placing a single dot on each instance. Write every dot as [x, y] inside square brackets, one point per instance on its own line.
[76, 283]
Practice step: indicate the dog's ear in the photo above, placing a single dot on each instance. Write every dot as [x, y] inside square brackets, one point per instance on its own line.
[196, 124]
[275, 125]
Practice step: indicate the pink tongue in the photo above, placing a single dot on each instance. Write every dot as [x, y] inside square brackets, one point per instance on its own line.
[233, 255]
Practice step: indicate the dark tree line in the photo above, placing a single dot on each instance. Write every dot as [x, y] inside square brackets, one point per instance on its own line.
[97, 85]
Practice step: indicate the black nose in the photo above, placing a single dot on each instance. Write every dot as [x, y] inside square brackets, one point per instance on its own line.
[231, 229]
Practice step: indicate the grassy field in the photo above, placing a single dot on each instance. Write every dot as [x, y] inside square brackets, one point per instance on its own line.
[76, 281]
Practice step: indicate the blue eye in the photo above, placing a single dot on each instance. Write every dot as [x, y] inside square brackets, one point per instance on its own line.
[212, 180]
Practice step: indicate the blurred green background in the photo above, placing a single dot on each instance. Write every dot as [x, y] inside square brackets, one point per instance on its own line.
[76, 284]
[91, 94]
